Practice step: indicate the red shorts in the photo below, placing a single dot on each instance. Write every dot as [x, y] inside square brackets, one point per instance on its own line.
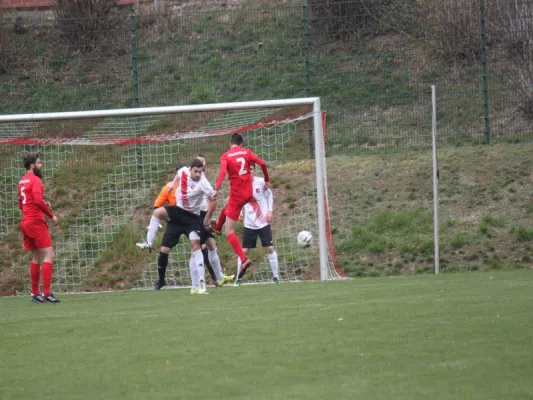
[36, 234]
[235, 205]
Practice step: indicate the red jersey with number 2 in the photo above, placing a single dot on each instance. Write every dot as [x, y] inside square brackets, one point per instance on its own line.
[236, 162]
[31, 200]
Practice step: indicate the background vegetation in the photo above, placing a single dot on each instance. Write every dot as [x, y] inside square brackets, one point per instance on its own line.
[371, 62]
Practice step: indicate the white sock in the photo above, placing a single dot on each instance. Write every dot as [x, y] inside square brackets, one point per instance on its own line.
[200, 268]
[273, 258]
[214, 260]
[239, 265]
[194, 273]
[152, 230]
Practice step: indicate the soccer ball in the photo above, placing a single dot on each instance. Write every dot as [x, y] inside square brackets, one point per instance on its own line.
[304, 239]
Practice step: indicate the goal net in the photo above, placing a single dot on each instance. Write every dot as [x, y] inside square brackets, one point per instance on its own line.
[103, 170]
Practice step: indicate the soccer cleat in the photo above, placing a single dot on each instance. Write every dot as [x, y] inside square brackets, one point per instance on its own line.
[37, 298]
[194, 290]
[276, 280]
[225, 279]
[237, 283]
[159, 284]
[202, 288]
[50, 298]
[144, 246]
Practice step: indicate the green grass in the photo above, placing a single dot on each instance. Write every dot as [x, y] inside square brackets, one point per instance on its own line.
[464, 336]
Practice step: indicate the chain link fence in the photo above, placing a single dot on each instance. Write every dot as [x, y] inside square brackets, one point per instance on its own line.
[371, 61]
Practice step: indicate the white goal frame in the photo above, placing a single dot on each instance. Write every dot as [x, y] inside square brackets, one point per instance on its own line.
[319, 149]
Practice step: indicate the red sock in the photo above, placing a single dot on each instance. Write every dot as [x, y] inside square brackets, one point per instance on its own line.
[236, 245]
[35, 275]
[47, 277]
[221, 219]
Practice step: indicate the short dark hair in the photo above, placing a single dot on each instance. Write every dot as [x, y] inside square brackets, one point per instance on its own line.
[237, 139]
[29, 159]
[197, 163]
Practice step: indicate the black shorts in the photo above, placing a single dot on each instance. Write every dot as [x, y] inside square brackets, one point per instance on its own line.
[180, 222]
[249, 237]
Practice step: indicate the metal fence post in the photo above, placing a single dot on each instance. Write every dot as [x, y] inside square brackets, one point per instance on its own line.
[484, 70]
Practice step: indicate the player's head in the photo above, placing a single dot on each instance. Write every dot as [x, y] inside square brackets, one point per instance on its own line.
[32, 162]
[197, 167]
[202, 159]
[252, 169]
[237, 139]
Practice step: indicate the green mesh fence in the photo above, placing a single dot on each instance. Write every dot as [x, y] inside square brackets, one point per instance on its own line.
[372, 63]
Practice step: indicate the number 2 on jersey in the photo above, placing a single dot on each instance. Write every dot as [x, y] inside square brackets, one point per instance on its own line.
[242, 161]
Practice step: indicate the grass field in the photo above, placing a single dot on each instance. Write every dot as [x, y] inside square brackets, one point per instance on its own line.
[455, 336]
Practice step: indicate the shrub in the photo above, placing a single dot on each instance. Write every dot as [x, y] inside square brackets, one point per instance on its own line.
[518, 30]
[87, 24]
[352, 20]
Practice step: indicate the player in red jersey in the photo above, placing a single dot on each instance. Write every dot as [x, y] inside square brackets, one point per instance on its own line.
[236, 163]
[35, 229]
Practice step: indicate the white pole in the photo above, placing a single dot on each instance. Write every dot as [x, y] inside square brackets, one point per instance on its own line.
[320, 157]
[128, 112]
[435, 177]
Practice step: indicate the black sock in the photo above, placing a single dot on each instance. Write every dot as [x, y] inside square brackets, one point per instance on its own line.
[162, 262]
[243, 271]
[208, 264]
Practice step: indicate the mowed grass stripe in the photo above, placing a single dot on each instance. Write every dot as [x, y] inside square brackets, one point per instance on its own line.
[418, 337]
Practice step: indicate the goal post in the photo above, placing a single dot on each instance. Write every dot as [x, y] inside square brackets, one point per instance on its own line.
[104, 168]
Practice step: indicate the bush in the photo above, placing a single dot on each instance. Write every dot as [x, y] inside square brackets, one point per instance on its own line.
[352, 20]
[518, 31]
[453, 27]
[86, 24]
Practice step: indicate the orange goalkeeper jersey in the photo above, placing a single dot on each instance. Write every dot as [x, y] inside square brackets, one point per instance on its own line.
[166, 197]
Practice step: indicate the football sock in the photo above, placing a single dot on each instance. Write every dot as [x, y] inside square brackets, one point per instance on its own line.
[207, 264]
[273, 258]
[221, 219]
[35, 275]
[162, 262]
[152, 230]
[240, 273]
[199, 258]
[194, 273]
[214, 260]
[236, 245]
[47, 277]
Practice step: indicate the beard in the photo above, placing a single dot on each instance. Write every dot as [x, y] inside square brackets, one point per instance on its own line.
[38, 173]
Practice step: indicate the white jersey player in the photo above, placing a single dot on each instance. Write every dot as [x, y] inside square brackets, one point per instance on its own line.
[184, 219]
[257, 219]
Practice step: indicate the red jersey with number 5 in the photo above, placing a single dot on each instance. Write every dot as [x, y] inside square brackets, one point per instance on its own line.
[236, 162]
[31, 200]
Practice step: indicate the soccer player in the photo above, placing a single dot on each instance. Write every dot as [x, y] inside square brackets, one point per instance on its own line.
[236, 163]
[36, 236]
[208, 243]
[184, 219]
[257, 223]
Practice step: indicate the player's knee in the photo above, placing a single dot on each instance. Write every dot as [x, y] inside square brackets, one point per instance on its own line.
[270, 249]
[160, 213]
[211, 244]
[165, 250]
[195, 245]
